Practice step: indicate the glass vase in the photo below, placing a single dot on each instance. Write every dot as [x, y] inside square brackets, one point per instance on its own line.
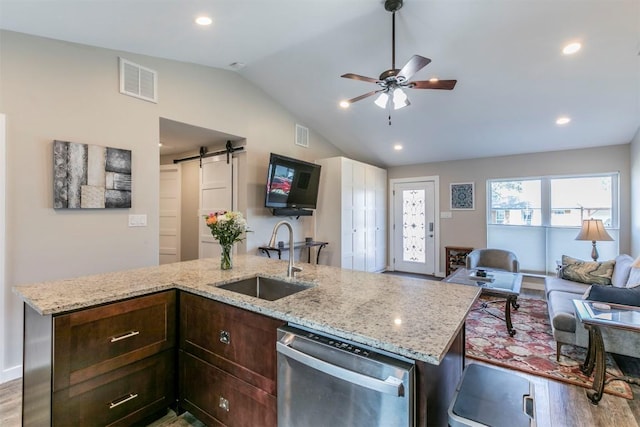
[226, 260]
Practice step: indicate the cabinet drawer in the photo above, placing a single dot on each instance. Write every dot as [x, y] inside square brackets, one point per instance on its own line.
[121, 397]
[94, 341]
[219, 398]
[238, 341]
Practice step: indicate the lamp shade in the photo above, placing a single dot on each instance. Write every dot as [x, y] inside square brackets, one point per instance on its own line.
[593, 230]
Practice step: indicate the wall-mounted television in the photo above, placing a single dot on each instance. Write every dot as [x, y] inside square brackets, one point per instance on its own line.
[292, 186]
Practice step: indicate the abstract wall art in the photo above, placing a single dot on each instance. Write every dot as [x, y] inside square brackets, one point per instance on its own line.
[462, 197]
[90, 176]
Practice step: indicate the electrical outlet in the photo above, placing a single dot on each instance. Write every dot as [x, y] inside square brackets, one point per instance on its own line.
[138, 220]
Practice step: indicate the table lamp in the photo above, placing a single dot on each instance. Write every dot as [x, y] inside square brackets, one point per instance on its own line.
[593, 229]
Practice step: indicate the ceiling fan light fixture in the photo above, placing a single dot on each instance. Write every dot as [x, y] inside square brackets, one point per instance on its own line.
[434, 80]
[381, 100]
[400, 99]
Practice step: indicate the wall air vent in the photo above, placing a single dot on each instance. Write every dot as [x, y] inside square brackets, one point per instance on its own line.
[138, 81]
[302, 136]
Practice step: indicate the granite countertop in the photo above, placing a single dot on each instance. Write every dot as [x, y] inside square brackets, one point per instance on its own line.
[414, 318]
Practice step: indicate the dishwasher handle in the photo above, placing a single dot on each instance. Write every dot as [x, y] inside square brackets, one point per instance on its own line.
[391, 385]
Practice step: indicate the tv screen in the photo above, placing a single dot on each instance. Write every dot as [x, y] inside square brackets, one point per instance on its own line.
[291, 183]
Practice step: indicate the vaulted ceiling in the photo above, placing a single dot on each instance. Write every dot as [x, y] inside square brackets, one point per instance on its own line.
[513, 79]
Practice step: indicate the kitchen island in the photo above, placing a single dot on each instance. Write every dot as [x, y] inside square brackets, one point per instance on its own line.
[417, 319]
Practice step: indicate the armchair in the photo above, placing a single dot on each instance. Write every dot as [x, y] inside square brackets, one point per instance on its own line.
[499, 259]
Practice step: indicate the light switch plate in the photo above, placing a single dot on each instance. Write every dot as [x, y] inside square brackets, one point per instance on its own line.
[138, 220]
[445, 214]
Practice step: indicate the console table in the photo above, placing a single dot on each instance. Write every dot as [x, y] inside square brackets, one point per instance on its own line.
[595, 315]
[300, 245]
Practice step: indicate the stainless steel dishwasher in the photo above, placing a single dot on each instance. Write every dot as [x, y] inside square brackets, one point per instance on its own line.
[327, 381]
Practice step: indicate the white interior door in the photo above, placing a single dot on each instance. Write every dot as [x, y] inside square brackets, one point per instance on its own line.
[216, 194]
[414, 227]
[170, 206]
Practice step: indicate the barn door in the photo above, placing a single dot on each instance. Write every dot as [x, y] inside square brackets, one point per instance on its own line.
[216, 194]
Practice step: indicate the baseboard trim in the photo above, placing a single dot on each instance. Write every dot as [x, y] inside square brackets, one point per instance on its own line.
[534, 286]
[10, 374]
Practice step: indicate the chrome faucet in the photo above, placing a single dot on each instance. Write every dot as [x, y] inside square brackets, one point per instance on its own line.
[291, 270]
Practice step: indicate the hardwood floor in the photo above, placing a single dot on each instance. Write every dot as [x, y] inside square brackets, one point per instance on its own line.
[10, 403]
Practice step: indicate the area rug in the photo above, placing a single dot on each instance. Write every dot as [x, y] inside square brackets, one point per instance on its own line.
[532, 350]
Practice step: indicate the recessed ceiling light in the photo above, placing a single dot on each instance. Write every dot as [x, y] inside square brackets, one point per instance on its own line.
[571, 48]
[203, 20]
[562, 120]
[159, 144]
[344, 104]
[397, 147]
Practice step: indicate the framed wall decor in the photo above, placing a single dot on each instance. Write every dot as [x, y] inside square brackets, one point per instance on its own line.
[462, 196]
[90, 176]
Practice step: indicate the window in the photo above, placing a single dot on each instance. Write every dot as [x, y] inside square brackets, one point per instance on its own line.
[575, 199]
[515, 202]
[539, 218]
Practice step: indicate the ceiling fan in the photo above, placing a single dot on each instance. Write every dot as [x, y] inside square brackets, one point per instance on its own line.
[393, 81]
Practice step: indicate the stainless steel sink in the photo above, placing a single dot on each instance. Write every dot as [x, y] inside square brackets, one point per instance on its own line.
[265, 288]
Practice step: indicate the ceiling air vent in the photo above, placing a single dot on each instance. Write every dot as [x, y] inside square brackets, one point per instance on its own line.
[302, 136]
[138, 81]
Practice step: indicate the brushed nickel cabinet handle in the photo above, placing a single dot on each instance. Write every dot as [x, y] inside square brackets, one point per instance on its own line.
[225, 337]
[125, 336]
[122, 400]
[224, 404]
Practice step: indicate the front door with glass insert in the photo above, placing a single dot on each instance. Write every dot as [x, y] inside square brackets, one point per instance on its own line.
[413, 228]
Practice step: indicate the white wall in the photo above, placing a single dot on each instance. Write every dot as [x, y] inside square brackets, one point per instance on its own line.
[57, 90]
[635, 194]
[468, 228]
[7, 301]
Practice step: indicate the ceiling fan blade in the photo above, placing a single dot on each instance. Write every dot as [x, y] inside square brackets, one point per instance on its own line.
[415, 64]
[359, 77]
[366, 95]
[440, 84]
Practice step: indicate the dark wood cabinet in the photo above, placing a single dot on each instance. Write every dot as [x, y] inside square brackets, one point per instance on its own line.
[113, 364]
[218, 398]
[119, 398]
[455, 257]
[227, 363]
[97, 340]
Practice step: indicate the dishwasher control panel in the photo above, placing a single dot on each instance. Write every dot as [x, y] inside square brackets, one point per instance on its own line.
[333, 342]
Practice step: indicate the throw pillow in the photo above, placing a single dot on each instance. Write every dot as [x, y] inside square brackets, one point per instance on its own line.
[621, 271]
[634, 278]
[590, 272]
[626, 296]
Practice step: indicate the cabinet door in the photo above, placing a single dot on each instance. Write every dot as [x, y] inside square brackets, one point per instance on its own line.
[120, 398]
[359, 217]
[97, 340]
[347, 224]
[381, 219]
[235, 340]
[218, 398]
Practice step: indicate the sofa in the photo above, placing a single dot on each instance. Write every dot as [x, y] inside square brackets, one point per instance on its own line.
[573, 283]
